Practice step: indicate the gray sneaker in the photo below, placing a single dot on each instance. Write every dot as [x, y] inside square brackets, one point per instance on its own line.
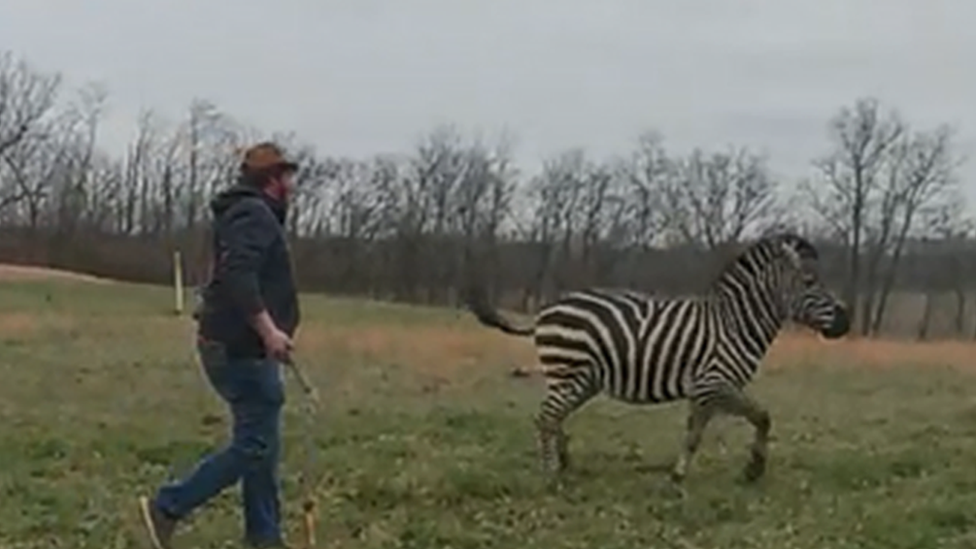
[159, 527]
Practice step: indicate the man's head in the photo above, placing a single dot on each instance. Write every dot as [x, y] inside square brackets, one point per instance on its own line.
[264, 165]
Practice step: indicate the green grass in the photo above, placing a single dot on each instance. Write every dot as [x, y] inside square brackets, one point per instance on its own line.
[424, 441]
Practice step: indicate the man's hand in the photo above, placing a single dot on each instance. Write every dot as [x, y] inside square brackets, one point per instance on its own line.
[278, 345]
[276, 342]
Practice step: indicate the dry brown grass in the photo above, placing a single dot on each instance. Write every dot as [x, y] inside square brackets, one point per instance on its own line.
[19, 324]
[451, 352]
[437, 350]
[25, 326]
[801, 349]
[9, 273]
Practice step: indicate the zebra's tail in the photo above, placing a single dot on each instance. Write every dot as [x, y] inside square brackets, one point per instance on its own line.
[477, 303]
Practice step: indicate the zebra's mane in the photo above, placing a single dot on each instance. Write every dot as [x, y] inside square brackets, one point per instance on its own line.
[764, 250]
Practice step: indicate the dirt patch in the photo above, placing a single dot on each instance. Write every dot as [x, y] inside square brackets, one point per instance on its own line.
[24, 272]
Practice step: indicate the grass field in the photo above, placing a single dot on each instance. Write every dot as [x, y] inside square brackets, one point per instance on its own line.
[426, 442]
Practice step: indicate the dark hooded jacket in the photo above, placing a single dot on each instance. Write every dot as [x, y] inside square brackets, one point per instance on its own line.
[251, 271]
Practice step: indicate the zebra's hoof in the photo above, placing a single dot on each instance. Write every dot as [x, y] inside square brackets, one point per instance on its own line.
[677, 477]
[674, 489]
[555, 483]
[755, 469]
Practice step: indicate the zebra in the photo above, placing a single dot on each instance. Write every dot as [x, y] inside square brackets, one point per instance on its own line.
[643, 349]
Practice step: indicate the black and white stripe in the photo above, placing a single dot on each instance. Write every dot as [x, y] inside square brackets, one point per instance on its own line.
[644, 349]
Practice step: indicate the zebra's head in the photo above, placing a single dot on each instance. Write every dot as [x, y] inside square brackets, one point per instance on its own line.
[807, 300]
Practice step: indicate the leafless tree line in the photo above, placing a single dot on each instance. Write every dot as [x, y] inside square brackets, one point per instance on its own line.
[884, 203]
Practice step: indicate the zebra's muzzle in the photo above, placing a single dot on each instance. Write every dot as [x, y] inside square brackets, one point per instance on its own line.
[840, 325]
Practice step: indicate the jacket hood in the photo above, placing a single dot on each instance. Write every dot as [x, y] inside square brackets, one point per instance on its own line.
[239, 191]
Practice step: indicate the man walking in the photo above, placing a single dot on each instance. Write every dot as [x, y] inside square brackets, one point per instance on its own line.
[248, 316]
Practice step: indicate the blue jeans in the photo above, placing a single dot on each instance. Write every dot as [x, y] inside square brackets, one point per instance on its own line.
[253, 389]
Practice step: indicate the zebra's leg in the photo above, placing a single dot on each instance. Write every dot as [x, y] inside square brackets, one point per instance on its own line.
[562, 450]
[736, 402]
[699, 415]
[563, 397]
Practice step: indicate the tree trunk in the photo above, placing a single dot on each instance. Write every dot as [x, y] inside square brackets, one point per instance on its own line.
[960, 319]
[925, 321]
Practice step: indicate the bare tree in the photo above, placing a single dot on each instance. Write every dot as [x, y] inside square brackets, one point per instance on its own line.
[138, 173]
[29, 169]
[648, 173]
[209, 141]
[714, 199]
[73, 195]
[481, 200]
[849, 176]
[417, 226]
[26, 98]
[920, 175]
[945, 229]
[559, 193]
[871, 190]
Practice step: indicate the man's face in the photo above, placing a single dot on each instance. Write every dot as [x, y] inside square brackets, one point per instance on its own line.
[288, 183]
[282, 186]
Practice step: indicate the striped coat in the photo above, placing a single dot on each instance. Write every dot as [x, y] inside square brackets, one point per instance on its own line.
[645, 349]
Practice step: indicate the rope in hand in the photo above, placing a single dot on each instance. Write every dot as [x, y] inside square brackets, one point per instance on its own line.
[308, 487]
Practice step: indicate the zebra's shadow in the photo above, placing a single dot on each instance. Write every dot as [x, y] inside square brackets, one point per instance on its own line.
[596, 472]
[595, 464]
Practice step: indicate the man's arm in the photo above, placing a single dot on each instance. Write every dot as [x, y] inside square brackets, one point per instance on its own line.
[263, 324]
[250, 231]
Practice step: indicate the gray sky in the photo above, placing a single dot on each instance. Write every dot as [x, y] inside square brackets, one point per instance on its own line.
[361, 76]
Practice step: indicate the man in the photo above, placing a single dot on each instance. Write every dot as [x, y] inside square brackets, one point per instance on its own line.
[248, 315]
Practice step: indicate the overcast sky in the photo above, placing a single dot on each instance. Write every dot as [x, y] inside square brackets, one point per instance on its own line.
[361, 76]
